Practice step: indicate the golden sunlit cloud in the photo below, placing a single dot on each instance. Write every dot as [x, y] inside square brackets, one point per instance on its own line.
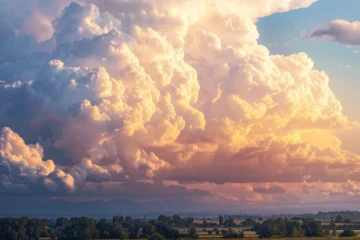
[173, 92]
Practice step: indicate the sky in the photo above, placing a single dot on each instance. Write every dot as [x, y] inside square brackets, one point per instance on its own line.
[282, 34]
[251, 103]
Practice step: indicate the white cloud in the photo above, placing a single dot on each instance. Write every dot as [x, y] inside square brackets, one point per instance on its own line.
[23, 165]
[83, 21]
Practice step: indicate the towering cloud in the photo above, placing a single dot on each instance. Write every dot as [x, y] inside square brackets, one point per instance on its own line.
[133, 95]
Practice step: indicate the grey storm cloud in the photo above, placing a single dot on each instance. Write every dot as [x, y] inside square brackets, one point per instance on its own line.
[340, 31]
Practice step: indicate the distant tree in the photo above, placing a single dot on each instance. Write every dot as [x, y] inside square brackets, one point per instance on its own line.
[187, 222]
[348, 233]
[156, 236]
[333, 233]
[163, 218]
[210, 232]
[104, 228]
[347, 220]
[193, 234]
[35, 228]
[131, 229]
[229, 222]
[297, 233]
[280, 228]
[312, 228]
[116, 219]
[22, 228]
[332, 225]
[339, 219]
[148, 230]
[221, 220]
[50, 233]
[293, 229]
[118, 232]
[8, 229]
[166, 230]
[61, 222]
[176, 220]
[248, 223]
[80, 228]
[232, 234]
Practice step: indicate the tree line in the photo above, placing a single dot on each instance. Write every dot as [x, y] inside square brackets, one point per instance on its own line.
[337, 216]
[88, 228]
[164, 227]
[299, 228]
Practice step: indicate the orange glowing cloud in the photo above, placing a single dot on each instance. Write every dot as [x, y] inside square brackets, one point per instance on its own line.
[154, 92]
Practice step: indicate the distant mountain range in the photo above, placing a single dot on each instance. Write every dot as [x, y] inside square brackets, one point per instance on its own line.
[55, 208]
[47, 208]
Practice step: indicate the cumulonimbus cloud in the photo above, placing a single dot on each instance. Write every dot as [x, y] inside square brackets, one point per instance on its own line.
[340, 31]
[126, 92]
